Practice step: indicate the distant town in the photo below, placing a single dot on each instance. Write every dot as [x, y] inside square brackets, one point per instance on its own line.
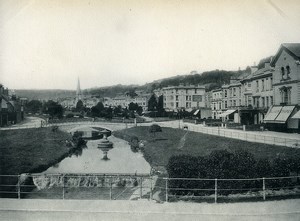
[268, 95]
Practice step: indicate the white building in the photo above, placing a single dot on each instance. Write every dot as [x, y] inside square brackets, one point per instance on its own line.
[184, 97]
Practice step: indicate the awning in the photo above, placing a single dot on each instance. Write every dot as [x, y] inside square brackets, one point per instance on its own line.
[285, 113]
[272, 114]
[196, 112]
[296, 115]
[279, 114]
[226, 113]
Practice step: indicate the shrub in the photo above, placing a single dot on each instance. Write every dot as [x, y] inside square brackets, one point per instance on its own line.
[154, 128]
[222, 164]
[70, 115]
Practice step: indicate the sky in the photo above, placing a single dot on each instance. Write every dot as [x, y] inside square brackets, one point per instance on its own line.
[48, 44]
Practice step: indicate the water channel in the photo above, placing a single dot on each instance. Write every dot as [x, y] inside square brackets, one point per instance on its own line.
[121, 160]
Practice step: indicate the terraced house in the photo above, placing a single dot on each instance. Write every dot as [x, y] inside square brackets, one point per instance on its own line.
[270, 94]
[284, 114]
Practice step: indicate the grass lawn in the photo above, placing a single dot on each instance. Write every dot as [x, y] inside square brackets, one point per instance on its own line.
[31, 150]
[169, 142]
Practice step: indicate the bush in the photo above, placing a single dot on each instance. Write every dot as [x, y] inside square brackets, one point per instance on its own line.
[134, 143]
[70, 115]
[222, 164]
[154, 128]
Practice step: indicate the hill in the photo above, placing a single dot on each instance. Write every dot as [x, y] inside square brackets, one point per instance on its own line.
[45, 94]
[211, 79]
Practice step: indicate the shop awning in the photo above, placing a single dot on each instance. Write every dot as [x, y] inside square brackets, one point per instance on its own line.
[272, 114]
[279, 114]
[285, 113]
[226, 113]
[296, 115]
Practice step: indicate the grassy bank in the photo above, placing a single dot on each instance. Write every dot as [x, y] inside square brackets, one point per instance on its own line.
[169, 142]
[31, 150]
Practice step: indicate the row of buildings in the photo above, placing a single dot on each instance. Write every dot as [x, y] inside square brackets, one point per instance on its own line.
[270, 94]
[140, 97]
[11, 107]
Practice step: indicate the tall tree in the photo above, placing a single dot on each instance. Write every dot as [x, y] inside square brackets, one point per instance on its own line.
[152, 103]
[79, 106]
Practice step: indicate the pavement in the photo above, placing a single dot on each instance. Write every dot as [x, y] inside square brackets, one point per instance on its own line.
[33, 209]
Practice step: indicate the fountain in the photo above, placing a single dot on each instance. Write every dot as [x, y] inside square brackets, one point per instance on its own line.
[105, 145]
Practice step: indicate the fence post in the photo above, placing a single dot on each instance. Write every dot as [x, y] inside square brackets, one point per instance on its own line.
[166, 189]
[141, 187]
[110, 188]
[216, 190]
[19, 187]
[63, 180]
[264, 188]
[150, 188]
[285, 142]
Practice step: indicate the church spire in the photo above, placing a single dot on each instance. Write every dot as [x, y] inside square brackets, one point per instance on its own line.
[78, 91]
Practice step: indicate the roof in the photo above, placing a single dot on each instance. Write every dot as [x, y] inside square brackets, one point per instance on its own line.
[292, 48]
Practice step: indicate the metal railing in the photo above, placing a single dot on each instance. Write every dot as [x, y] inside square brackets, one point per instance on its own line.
[133, 186]
[76, 186]
[229, 189]
[246, 136]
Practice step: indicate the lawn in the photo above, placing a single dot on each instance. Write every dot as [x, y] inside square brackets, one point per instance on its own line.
[158, 149]
[31, 150]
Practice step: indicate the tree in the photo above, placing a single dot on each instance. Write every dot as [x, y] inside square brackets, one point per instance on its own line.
[160, 104]
[133, 106]
[79, 106]
[139, 110]
[118, 110]
[97, 110]
[152, 103]
[34, 106]
[53, 109]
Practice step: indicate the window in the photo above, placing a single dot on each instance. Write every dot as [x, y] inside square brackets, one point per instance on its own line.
[271, 83]
[225, 104]
[282, 72]
[225, 93]
[288, 71]
[177, 104]
[257, 86]
[285, 95]
[234, 103]
[176, 97]
[267, 101]
[187, 98]
[186, 91]
[234, 91]
[262, 85]
[195, 91]
[187, 105]
[271, 100]
[263, 102]
[220, 106]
